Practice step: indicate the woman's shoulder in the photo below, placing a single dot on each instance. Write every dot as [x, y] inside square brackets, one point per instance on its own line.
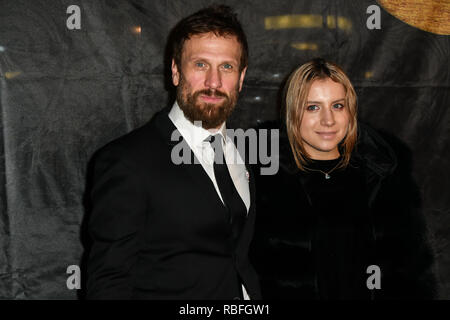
[374, 151]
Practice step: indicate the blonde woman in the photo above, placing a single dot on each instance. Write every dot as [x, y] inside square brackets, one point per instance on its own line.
[335, 221]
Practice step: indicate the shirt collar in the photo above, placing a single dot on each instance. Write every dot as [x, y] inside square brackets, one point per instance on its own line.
[195, 135]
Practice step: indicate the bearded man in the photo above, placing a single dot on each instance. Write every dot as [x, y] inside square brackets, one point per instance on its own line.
[165, 230]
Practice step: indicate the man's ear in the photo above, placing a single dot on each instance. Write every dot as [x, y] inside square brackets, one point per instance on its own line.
[175, 74]
[241, 78]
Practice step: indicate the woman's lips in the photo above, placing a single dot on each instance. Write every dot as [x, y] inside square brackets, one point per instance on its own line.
[327, 135]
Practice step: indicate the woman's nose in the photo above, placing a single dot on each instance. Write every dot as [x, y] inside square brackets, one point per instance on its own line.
[327, 117]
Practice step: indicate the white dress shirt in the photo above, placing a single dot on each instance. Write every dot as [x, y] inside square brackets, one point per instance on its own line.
[195, 136]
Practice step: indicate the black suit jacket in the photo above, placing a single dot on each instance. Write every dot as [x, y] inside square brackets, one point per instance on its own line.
[159, 230]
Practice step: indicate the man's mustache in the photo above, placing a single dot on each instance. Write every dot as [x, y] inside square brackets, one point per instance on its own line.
[211, 93]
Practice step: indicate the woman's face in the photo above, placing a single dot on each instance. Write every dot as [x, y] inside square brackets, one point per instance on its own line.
[325, 119]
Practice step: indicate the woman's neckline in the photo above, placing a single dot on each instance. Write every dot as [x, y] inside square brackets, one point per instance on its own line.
[324, 165]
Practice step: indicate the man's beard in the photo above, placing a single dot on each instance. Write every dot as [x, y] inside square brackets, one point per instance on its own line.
[210, 115]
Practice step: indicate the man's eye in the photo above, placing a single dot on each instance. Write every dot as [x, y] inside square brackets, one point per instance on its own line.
[338, 106]
[312, 107]
[199, 64]
[227, 66]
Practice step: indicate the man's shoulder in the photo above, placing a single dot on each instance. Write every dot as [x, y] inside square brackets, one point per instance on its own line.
[138, 142]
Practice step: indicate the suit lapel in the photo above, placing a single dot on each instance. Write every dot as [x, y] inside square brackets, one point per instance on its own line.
[202, 181]
[247, 232]
[194, 169]
[251, 182]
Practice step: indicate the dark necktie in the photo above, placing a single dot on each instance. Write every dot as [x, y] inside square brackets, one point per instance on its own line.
[231, 198]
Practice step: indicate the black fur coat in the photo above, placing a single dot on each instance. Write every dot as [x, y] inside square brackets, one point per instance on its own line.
[282, 252]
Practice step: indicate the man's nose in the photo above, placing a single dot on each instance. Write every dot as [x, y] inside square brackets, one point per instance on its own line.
[213, 79]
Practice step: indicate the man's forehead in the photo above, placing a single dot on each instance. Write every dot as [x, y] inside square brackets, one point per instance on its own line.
[210, 37]
[213, 44]
[212, 34]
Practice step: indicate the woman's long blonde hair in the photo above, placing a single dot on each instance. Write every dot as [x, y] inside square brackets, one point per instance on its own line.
[295, 97]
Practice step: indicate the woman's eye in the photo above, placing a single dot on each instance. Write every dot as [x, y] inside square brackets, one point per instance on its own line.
[338, 106]
[312, 107]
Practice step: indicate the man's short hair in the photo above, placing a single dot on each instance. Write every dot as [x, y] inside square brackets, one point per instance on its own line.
[218, 19]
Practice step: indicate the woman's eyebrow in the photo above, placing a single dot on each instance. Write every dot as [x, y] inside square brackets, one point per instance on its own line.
[318, 102]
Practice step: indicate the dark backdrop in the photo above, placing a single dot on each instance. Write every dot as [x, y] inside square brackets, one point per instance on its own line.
[65, 93]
